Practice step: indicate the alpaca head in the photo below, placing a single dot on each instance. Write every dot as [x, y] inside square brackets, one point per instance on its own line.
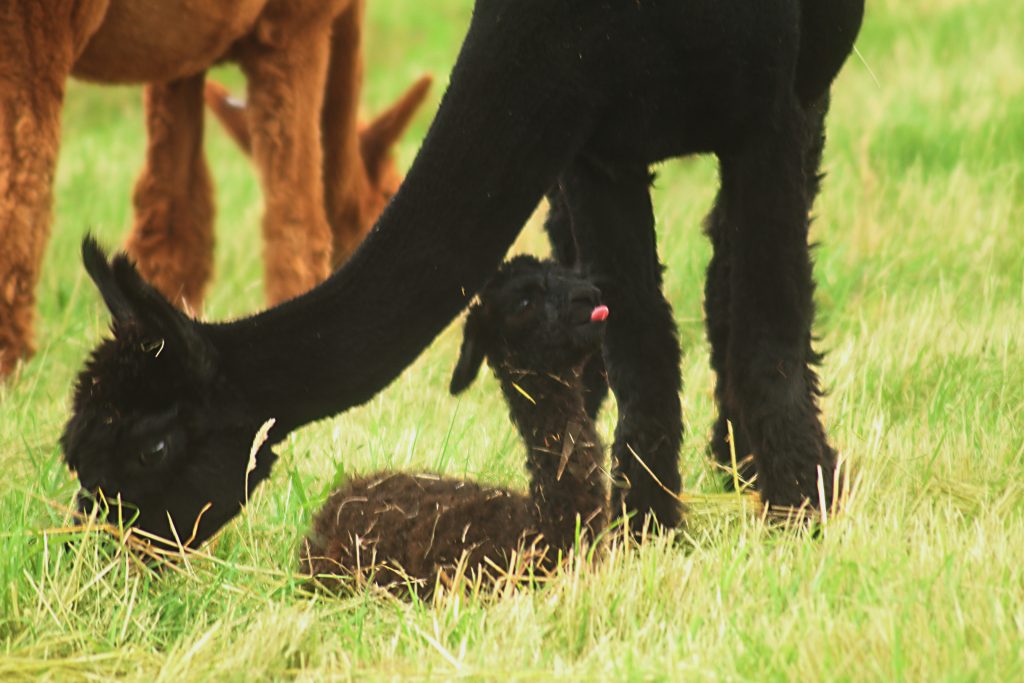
[534, 316]
[157, 438]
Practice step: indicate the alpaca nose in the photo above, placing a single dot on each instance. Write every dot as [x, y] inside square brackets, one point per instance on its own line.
[89, 481]
[88, 492]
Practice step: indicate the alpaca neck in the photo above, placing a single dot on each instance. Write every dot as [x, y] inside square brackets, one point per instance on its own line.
[505, 129]
[564, 455]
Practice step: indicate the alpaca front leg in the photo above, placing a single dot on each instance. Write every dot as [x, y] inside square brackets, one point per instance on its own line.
[172, 239]
[724, 447]
[558, 226]
[771, 380]
[613, 222]
[25, 200]
[38, 45]
[29, 139]
[285, 86]
[717, 306]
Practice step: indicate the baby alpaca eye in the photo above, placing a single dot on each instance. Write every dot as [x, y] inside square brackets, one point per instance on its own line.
[154, 454]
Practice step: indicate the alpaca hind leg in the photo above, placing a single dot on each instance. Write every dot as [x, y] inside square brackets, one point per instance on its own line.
[285, 85]
[172, 239]
[771, 381]
[38, 45]
[614, 225]
[558, 226]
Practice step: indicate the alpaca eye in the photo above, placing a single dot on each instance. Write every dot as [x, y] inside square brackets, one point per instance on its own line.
[154, 454]
[523, 304]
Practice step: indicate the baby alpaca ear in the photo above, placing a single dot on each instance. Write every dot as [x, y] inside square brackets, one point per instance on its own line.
[471, 355]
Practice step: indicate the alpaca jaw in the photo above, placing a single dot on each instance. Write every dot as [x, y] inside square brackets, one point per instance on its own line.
[184, 499]
[202, 480]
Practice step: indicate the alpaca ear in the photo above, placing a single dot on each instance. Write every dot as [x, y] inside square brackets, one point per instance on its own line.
[98, 268]
[133, 301]
[158, 317]
[231, 113]
[378, 137]
[471, 354]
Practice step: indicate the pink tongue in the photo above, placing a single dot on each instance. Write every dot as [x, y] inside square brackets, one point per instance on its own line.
[598, 314]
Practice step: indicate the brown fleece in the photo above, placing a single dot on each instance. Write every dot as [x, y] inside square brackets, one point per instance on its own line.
[355, 196]
[406, 532]
[289, 50]
[172, 240]
[38, 45]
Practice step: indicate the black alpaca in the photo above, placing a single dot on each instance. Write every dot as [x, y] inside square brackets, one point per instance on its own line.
[536, 324]
[574, 98]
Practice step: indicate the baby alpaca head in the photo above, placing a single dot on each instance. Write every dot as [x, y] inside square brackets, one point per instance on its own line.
[155, 431]
[532, 316]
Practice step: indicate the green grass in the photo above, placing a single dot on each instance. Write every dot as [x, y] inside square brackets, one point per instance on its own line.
[920, 297]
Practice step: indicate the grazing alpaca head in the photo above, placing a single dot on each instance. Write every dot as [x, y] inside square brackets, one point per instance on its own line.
[536, 323]
[377, 140]
[156, 435]
[533, 316]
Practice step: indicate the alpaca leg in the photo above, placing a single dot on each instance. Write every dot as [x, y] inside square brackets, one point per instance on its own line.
[345, 180]
[716, 307]
[286, 84]
[38, 45]
[614, 225]
[558, 225]
[815, 140]
[770, 379]
[172, 239]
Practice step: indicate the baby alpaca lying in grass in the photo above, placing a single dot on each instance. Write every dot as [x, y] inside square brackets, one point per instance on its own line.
[536, 324]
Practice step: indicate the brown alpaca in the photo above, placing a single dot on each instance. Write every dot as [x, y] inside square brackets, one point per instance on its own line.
[302, 61]
[377, 178]
[536, 324]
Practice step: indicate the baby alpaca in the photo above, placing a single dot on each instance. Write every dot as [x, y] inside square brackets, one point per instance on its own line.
[536, 324]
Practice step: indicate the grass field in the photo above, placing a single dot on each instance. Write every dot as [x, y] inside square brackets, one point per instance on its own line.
[921, 300]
